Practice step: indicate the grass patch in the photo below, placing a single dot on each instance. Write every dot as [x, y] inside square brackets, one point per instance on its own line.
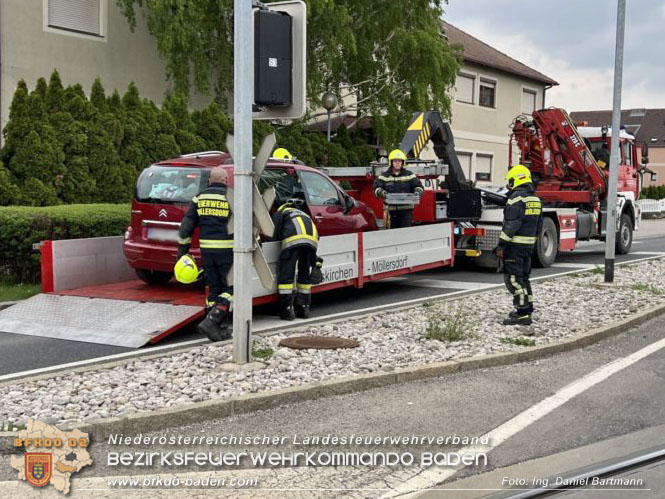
[646, 288]
[598, 270]
[452, 327]
[261, 353]
[11, 427]
[429, 304]
[522, 342]
[10, 291]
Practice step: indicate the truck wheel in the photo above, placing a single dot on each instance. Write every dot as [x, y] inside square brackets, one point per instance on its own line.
[624, 238]
[153, 276]
[545, 250]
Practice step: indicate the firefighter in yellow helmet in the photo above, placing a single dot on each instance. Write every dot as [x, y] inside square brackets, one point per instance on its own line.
[522, 222]
[281, 153]
[397, 179]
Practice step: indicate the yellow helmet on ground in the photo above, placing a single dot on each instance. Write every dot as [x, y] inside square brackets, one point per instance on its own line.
[281, 153]
[518, 175]
[396, 154]
[185, 270]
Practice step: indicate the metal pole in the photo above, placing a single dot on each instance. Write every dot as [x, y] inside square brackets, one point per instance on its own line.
[329, 125]
[610, 227]
[243, 86]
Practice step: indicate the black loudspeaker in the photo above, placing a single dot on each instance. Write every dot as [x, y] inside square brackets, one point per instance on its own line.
[273, 61]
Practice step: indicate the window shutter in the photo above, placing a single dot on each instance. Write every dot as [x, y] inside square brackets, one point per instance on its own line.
[528, 101]
[483, 167]
[464, 85]
[75, 15]
[465, 162]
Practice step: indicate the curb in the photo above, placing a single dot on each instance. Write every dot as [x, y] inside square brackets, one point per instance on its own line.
[215, 409]
[7, 304]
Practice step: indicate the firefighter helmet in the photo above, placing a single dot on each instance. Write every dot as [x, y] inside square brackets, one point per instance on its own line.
[185, 270]
[396, 154]
[281, 153]
[518, 175]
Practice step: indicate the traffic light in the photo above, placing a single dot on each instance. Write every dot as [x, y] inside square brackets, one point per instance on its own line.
[280, 34]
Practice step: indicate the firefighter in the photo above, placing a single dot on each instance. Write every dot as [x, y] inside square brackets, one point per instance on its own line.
[397, 179]
[522, 221]
[210, 211]
[300, 239]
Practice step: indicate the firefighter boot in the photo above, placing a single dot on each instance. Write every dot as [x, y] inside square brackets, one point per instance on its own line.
[216, 324]
[516, 319]
[302, 306]
[286, 311]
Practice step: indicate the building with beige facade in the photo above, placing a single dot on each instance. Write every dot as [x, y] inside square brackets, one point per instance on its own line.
[82, 39]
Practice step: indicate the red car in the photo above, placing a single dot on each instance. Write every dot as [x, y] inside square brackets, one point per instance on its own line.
[164, 190]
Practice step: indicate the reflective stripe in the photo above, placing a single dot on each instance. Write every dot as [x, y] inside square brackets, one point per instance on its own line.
[298, 238]
[304, 289]
[226, 296]
[218, 197]
[210, 303]
[300, 226]
[216, 243]
[184, 240]
[398, 179]
[195, 199]
[378, 191]
[523, 198]
[514, 200]
[504, 236]
[285, 289]
[419, 190]
[314, 231]
[523, 239]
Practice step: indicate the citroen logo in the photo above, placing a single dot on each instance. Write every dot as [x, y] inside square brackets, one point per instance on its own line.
[163, 213]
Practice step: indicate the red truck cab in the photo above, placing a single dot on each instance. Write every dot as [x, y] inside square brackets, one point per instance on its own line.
[164, 190]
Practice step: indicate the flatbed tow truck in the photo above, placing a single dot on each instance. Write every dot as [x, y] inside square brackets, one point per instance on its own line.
[91, 293]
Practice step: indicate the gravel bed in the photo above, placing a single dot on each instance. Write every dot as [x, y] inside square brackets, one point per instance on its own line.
[565, 307]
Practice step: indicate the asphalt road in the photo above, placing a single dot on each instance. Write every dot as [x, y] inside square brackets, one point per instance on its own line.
[24, 353]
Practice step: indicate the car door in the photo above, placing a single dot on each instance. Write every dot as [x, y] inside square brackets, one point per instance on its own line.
[326, 204]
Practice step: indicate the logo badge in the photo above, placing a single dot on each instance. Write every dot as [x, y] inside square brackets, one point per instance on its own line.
[38, 468]
[163, 213]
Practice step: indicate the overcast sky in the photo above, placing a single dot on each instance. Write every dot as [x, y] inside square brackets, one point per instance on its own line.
[573, 42]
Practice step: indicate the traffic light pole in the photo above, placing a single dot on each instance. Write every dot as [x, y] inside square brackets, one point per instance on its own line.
[243, 86]
[610, 226]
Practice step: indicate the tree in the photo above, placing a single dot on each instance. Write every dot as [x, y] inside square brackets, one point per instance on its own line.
[390, 57]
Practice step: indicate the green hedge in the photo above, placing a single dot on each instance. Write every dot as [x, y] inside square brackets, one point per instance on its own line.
[653, 192]
[22, 226]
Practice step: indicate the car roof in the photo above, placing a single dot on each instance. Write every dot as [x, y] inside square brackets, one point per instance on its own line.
[211, 160]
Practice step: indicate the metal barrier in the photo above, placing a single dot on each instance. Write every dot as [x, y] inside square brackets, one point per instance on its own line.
[652, 208]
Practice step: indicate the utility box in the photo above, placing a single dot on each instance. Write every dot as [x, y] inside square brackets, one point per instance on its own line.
[273, 61]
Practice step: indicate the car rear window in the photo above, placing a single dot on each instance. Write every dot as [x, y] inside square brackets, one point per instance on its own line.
[170, 184]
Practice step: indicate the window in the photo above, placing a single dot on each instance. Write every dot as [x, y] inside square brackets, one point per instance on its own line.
[483, 167]
[170, 184]
[80, 16]
[465, 162]
[528, 101]
[487, 92]
[320, 190]
[465, 85]
[628, 153]
[286, 184]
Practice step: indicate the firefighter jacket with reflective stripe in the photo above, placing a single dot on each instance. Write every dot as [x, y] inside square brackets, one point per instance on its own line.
[294, 227]
[209, 210]
[405, 182]
[522, 217]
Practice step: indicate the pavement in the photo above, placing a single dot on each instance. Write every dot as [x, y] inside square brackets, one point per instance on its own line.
[469, 404]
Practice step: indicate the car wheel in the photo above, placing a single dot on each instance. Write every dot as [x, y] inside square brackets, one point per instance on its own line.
[153, 276]
[544, 253]
[624, 238]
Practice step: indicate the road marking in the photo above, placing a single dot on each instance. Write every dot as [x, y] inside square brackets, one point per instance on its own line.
[350, 314]
[434, 475]
[647, 253]
[446, 284]
[573, 265]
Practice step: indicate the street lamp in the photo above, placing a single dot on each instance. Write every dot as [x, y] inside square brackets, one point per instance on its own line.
[329, 102]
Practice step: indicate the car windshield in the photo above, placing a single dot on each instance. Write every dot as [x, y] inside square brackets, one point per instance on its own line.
[170, 184]
[285, 182]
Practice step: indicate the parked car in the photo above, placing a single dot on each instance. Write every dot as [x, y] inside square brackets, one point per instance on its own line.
[164, 190]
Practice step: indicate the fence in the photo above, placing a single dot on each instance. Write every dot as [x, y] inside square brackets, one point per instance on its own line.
[652, 208]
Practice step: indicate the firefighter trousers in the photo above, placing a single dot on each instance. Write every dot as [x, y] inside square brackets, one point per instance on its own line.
[517, 270]
[216, 266]
[304, 257]
[400, 218]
